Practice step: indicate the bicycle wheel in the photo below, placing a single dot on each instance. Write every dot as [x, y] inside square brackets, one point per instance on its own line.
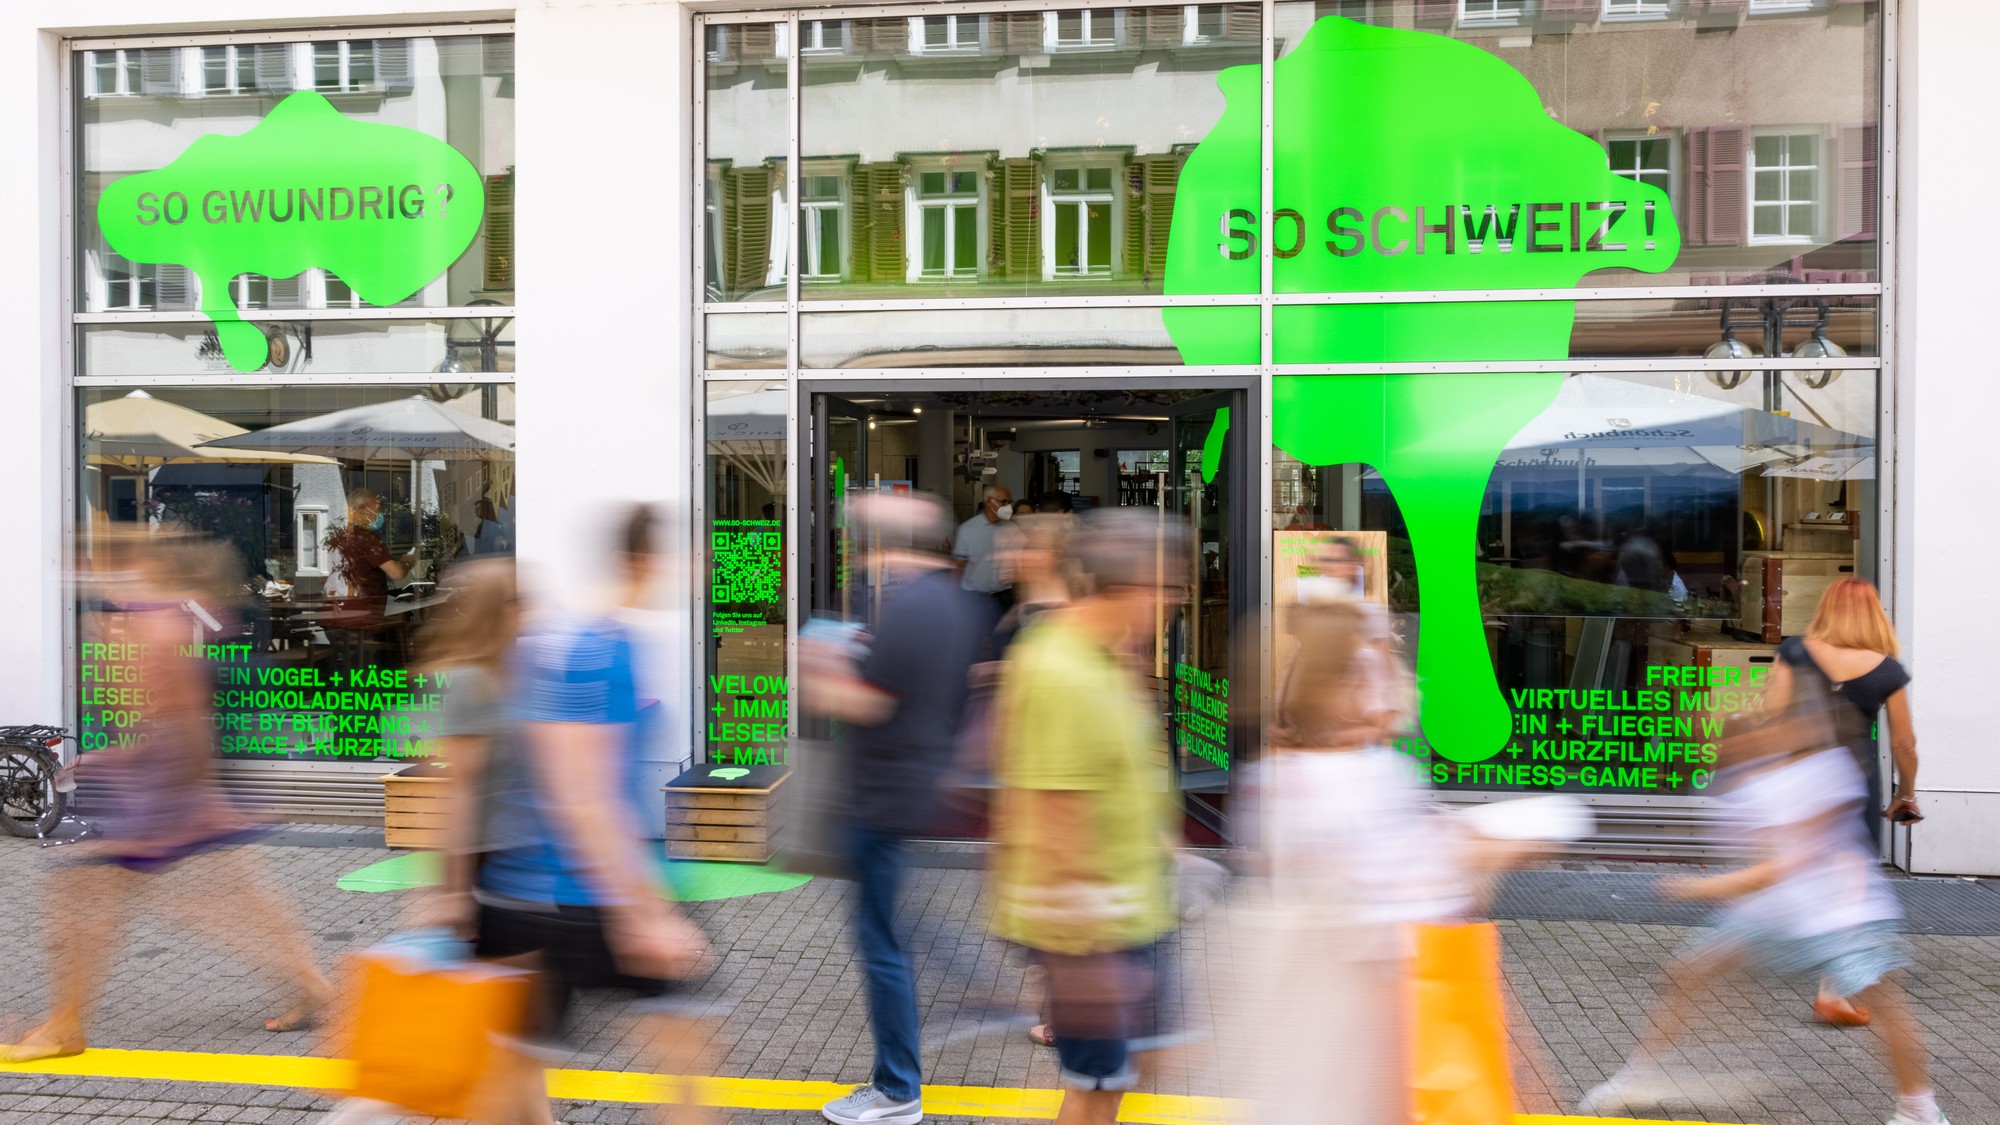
[30, 803]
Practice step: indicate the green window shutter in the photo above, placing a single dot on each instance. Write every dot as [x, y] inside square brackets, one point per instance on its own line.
[499, 255]
[1149, 212]
[1014, 218]
[747, 228]
[877, 197]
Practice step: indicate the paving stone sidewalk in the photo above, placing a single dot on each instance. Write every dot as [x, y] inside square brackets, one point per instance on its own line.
[1578, 990]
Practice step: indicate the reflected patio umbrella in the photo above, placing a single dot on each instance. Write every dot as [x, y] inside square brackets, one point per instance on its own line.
[1859, 465]
[414, 429]
[1599, 421]
[747, 432]
[140, 433]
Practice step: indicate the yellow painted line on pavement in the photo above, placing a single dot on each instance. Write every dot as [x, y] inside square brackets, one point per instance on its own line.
[309, 1073]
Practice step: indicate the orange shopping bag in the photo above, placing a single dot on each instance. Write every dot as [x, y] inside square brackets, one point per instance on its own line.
[434, 1036]
[1459, 1073]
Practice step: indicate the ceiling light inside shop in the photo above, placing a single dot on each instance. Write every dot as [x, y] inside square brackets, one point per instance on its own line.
[1729, 347]
[1817, 346]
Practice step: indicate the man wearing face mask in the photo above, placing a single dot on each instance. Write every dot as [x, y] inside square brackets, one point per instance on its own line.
[977, 545]
[362, 565]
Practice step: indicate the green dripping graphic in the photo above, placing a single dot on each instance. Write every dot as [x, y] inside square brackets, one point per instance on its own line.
[1211, 446]
[1408, 161]
[384, 208]
[729, 774]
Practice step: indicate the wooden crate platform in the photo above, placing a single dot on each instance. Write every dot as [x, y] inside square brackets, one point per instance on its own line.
[413, 800]
[725, 813]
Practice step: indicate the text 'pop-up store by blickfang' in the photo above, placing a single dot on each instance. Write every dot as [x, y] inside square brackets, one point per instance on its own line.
[1574, 333]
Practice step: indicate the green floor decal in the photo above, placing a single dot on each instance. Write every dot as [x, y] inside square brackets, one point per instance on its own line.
[692, 881]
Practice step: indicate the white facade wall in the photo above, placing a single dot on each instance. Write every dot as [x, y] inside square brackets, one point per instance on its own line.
[604, 211]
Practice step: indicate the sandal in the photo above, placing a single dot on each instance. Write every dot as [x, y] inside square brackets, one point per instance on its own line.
[1842, 1012]
[1041, 1033]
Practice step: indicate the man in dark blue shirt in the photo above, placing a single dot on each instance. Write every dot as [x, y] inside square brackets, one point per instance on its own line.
[902, 713]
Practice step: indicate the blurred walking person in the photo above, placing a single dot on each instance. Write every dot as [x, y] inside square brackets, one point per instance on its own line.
[167, 843]
[1816, 902]
[566, 881]
[902, 705]
[1850, 650]
[1083, 872]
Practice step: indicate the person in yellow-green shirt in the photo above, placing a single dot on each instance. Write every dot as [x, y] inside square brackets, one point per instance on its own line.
[1084, 820]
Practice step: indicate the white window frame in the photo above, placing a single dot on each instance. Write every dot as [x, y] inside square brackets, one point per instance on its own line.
[1667, 137]
[309, 526]
[235, 57]
[966, 34]
[105, 296]
[1103, 30]
[812, 37]
[1820, 196]
[344, 63]
[915, 203]
[1112, 200]
[1494, 13]
[126, 81]
[1638, 9]
[813, 214]
[1191, 35]
[1781, 7]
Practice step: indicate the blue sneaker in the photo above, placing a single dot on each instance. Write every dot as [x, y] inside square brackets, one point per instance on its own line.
[868, 1105]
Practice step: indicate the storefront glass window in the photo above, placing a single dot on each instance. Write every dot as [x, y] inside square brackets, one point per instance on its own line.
[745, 694]
[141, 110]
[1003, 153]
[345, 509]
[745, 214]
[1636, 551]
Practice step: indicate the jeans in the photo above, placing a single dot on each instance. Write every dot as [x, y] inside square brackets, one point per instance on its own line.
[892, 988]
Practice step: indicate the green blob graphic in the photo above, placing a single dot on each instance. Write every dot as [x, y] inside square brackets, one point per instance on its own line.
[1211, 446]
[691, 881]
[729, 774]
[384, 208]
[1371, 125]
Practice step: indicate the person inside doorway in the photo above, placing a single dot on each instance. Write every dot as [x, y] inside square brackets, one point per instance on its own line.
[977, 547]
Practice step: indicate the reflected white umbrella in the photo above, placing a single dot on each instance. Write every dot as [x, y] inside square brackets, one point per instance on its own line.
[747, 432]
[1859, 465]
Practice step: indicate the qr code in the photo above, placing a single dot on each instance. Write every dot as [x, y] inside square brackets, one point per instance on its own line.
[746, 566]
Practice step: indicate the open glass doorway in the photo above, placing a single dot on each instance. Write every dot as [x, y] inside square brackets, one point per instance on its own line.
[1067, 446]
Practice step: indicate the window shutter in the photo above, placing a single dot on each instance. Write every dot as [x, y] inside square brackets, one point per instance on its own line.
[173, 288]
[1160, 25]
[760, 40]
[274, 67]
[159, 71]
[499, 52]
[1149, 211]
[1725, 188]
[746, 244]
[1014, 222]
[882, 36]
[1436, 11]
[1021, 32]
[1689, 209]
[1242, 23]
[1571, 9]
[393, 72]
[500, 231]
[1859, 193]
[878, 222]
[286, 292]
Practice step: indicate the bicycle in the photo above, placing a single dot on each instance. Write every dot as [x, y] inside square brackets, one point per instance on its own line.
[35, 782]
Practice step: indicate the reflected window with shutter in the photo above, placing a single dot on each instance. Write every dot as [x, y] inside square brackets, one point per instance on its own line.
[228, 69]
[127, 285]
[822, 225]
[1638, 9]
[1781, 7]
[947, 205]
[344, 66]
[1492, 11]
[1082, 203]
[946, 35]
[1080, 30]
[825, 37]
[1202, 23]
[1645, 157]
[112, 74]
[1785, 187]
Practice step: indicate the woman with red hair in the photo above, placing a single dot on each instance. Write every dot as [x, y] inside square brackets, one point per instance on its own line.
[1850, 650]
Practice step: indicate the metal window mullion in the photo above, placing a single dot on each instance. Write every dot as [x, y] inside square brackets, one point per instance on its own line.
[1888, 387]
[794, 145]
[1264, 430]
[70, 706]
[284, 379]
[698, 388]
[298, 35]
[399, 312]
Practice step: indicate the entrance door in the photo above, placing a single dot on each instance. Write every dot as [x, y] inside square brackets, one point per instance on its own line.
[837, 465]
[1207, 485]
